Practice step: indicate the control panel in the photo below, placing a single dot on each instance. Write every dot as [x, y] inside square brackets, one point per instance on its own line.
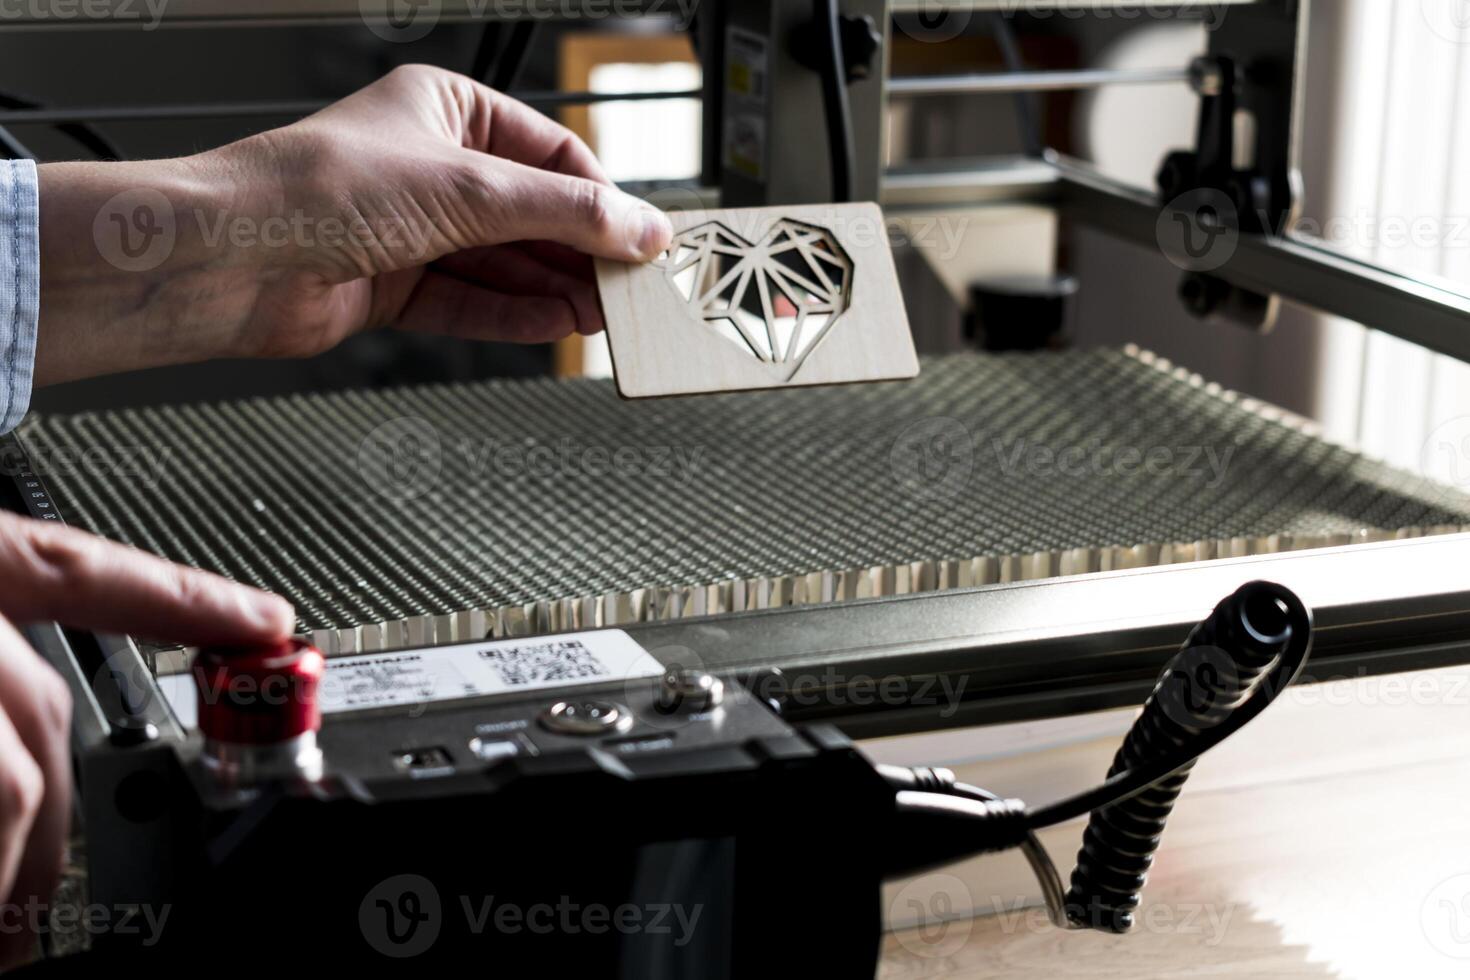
[373, 725]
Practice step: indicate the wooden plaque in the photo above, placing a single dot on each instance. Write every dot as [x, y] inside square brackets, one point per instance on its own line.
[759, 298]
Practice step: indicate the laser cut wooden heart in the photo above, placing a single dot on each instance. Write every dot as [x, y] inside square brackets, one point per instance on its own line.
[759, 298]
[776, 299]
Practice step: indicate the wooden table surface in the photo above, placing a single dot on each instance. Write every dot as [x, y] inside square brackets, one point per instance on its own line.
[1330, 838]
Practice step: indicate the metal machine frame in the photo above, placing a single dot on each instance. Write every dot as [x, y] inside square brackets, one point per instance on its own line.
[1401, 619]
[1263, 40]
[947, 659]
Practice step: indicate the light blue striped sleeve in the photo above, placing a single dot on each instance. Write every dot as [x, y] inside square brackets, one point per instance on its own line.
[20, 287]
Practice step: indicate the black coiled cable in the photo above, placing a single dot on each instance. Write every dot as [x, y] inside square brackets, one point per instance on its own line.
[1253, 646]
[1226, 658]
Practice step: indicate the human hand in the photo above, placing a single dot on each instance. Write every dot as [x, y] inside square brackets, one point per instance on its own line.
[426, 201]
[50, 572]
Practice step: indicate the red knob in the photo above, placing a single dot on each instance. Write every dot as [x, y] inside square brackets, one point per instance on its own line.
[259, 695]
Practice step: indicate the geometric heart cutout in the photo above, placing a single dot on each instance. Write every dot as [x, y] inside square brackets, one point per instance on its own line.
[775, 300]
[745, 299]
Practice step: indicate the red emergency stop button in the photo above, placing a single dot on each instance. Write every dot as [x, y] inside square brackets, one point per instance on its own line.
[259, 696]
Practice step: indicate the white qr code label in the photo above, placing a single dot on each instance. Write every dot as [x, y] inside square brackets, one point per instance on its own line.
[468, 670]
[464, 670]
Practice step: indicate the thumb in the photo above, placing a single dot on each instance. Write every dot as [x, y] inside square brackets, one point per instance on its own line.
[526, 203]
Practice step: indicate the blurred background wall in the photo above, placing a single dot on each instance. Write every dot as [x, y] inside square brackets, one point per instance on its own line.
[1382, 136]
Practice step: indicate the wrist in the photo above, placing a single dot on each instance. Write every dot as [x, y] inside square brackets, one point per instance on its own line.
[136, 268]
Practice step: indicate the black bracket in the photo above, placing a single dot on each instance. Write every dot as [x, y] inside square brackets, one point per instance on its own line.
[1211, 165]
[1246, 85]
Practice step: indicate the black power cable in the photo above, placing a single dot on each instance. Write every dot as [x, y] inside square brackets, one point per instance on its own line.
[1010, 53]
[86, 136]
[12, 148]
[976, 803]
[499, 65]
[1237, 661]
[1219, 668]
[834, 97]
[513, 56]
[486, 51]
[1131, 781]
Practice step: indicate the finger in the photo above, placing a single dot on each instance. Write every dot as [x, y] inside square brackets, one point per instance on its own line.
[445, 305]
[479, 118]
[52, 572]
[515, 203]
[559, 256]
[515, 131]
[22, 788]
[36, 707]
[511, 269]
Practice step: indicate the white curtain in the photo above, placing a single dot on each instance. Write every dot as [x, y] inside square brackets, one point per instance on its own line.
[1399, 195]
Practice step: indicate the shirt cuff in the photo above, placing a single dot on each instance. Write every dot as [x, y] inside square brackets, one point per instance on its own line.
[20, 287]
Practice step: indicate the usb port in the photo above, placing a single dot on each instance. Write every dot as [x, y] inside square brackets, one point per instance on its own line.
[417, 760]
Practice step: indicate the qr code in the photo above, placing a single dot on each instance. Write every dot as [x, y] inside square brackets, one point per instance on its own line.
[539, 663]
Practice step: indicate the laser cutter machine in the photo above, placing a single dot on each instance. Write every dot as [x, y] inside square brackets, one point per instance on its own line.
[640, 686]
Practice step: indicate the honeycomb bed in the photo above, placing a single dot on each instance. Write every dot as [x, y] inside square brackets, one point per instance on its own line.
[456, 511]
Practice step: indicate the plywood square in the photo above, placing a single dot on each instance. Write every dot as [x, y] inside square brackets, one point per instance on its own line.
[759, 298]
